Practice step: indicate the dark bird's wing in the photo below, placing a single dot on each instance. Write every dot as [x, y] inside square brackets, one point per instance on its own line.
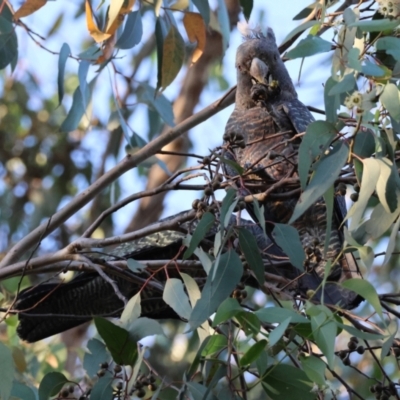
[267, 117]
[51, 308]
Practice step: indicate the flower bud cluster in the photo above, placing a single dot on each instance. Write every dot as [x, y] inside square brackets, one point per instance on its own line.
[354, 100]
[389, 8]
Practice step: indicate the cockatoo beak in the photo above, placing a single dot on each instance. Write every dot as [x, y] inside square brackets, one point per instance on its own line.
[259, 71]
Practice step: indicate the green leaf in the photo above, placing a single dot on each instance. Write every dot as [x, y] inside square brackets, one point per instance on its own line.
[176, 298]
[360, 334]
[202, 228]
[249, 323]
[159, 33]
[390, 100]
[160, 103]
[364, 144]
[278, 332]
[247, 6]
[122, 348]
[249, 246]
[380, 221]
[172, 57]
[228, 272]
[302, 27]
[226, 207]
[50, 385]
[391, 45]
[192, 288]
[199, 392]
[353, 58]
[83, 70]
[8, 38]
[329, 203]
[143, 327]
[228, 309]
[253, 353]
[77, 110]
[288, 240]
[135, 266]
[371, 69]
[365, 290]
[275, 315]
[102, 389]
[305, 12]
[326, 172]
[23, 392]
[132, 310]
[392, 241]
[287, 382]
[215, 344]
[309, 46]
[324, 332]
[370, 176]
[387, 344]
[332, 103]
[7, 371]
[346, 85]
[315, 368]
[224, 24]
[377, 25]
[133, 31]
[204, 9]
[316, 141]
[385, 190]
[97, 355]
[233, 165]
[62, 60]
[259, 213]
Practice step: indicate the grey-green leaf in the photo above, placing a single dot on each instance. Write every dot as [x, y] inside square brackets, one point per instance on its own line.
[284, 381]
[376, 25]
[278, 332]
[390, 100]
[205, 224]
[227, 273]
[310, 46]
[176, 298]
[326, 172]
[50, 385]
[7, 371]
[366, 290]
[390, 44]
[249, 246]
[62, 60]
[160, 103]
[317, 139]
[133, 31]
[288, 240]
[77, 110]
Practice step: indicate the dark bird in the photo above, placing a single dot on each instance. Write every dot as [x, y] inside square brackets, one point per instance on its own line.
[51, 308]
[261, 137]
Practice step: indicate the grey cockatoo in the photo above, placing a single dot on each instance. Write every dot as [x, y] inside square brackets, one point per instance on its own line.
[261, 133]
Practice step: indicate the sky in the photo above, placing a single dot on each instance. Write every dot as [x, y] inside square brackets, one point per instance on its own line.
[208, 135]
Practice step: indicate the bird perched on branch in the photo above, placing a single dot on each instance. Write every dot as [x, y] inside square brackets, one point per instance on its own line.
[262, 137]
[51, 308]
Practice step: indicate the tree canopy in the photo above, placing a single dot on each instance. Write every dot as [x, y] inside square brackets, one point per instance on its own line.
[65, 191]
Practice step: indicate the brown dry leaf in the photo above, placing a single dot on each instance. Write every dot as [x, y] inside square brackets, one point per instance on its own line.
[173, 55]
[28, 8]
[94, 31]
[107, 50]
[196, 31]
[116, 14]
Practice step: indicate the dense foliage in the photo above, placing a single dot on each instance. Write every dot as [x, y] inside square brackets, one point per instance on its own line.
[61, 166]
